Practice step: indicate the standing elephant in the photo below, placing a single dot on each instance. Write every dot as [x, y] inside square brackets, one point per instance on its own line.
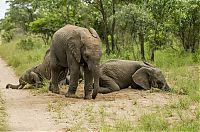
[72, 47]
[120, 74]
[35, 75]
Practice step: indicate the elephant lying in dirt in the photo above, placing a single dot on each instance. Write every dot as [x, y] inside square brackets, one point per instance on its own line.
[37, 74]
[120, 74]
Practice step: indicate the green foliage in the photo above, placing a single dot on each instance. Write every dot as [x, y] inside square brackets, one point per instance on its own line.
[22, 59]
[25, 44]
[7, 36]
[133, 17]
[47, 25]
[153, 122]
[187, 125]
[186, 22]
[181, 71]
[172, 58]
[123, 126]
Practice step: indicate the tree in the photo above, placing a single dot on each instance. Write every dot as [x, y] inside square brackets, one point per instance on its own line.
[187, 23]
[21, 12]
[137, 21]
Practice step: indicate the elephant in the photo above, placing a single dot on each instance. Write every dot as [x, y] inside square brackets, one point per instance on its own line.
[81, 76]
[120, 74]
[35, 75]
[72, 47]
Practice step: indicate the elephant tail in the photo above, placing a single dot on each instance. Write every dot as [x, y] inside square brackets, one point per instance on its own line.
[13, 86]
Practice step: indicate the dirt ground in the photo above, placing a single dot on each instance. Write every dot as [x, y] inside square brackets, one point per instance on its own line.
[50, 112]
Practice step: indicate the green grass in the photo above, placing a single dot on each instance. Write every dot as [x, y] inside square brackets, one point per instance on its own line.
[153, 122]
[3, 123]
[21, 59]
[119, 126]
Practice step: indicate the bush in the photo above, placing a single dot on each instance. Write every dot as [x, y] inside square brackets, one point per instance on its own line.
[26, 44]
[7, 36]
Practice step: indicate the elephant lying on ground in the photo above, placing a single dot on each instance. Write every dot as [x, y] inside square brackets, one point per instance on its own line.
[120, 74]
[37, 74]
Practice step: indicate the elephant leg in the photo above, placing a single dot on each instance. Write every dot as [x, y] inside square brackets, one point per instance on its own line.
[88, 83]
[107, 85]
[55, 71]
[62, 74]
[21, 86]
[73, 82]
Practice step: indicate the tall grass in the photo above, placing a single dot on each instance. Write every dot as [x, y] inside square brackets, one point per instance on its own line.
[21, 59]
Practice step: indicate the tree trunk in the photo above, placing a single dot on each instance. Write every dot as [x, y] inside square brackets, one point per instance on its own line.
[152, 53]
[113, 27]
[141, 39]
[105, 24]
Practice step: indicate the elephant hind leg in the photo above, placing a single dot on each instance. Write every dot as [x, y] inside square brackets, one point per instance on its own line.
[107, 85]
[55, 73]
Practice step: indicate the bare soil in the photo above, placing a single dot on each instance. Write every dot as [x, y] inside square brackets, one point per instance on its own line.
[25, 111]
[50, 112]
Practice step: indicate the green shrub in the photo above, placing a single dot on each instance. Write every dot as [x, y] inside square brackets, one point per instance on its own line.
[7, 36]
[26, 44]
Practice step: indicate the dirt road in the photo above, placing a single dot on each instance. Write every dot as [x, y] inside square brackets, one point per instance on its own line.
[25, 111]
[51, 112]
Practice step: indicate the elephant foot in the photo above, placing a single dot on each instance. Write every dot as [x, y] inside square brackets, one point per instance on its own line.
[70, 95]
[87, 97]
[56, 90]
[50, 87]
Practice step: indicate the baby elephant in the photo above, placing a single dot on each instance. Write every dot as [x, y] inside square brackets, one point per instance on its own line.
[120, 74]
[37, 74]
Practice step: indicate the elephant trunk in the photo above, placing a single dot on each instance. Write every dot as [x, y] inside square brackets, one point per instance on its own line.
[95, 73]
[21, 84]
[13, 86]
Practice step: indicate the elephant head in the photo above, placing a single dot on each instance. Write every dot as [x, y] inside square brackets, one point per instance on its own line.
[148, 77]
[85, 46]
[92, 54]
[29, 77]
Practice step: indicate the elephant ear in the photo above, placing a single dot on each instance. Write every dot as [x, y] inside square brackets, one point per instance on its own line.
[35, 77]
[74, 44]
[148, 64]
[93, 32]
[141, 78]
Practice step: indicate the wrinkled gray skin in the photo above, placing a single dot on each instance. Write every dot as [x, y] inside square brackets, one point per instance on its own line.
[37, 74]
[71, 48]
[81, 76]
[120, 74]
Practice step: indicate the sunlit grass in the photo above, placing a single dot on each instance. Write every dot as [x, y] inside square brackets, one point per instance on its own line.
[20, 59]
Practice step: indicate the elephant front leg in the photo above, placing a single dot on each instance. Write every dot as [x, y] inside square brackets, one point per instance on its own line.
[73, 82]
[88, 83]
[107, 85]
